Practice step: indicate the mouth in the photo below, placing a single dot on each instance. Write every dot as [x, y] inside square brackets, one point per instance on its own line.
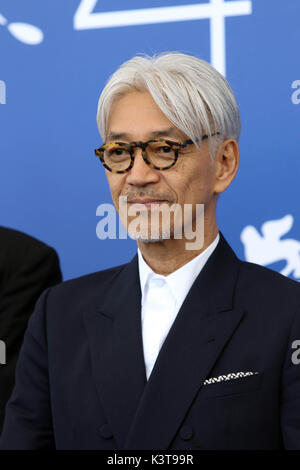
[147, 202]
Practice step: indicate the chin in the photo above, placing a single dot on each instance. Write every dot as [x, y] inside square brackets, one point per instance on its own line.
[148, 238]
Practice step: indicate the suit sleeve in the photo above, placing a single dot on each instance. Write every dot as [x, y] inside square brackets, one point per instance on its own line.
[34, 268]
[290, 391]
[28, 421]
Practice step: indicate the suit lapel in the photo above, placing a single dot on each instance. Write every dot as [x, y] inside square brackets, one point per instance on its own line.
[203, 326]
[115, 339]
[183, 364]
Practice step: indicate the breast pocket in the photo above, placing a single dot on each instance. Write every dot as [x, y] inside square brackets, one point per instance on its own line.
[240, 385]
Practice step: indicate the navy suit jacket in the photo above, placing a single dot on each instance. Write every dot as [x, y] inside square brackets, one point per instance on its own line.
[81, 382]
[27, 267]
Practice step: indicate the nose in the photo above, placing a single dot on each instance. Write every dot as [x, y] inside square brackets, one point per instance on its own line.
[141, 174]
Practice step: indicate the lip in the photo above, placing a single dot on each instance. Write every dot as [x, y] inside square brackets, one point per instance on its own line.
[147, 201]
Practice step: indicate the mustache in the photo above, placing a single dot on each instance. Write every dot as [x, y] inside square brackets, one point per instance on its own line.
[147, 194]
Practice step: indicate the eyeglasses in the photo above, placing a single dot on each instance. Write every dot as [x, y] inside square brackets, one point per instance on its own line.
[161, 154]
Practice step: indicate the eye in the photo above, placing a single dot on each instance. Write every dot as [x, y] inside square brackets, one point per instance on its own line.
[165, 149]
[117, 152]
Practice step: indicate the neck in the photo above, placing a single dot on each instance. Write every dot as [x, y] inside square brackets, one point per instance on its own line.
[166, 256]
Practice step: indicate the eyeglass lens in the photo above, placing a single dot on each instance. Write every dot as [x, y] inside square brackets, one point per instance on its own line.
[117, 157]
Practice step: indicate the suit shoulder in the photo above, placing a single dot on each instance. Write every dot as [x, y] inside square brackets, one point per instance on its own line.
[61, 306]
[87, 284]
[259, 281]
[267, 274]
[11, 238]
[24, 256]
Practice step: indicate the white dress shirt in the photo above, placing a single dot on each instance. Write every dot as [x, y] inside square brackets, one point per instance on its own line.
[162, 297]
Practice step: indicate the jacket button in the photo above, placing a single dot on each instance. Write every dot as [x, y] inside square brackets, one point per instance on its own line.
[105, 431]
[186, 433]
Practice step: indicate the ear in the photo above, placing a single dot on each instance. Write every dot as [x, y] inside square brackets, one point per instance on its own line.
[226, 164]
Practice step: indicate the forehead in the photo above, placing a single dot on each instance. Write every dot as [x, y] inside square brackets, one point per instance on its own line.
[137, 116]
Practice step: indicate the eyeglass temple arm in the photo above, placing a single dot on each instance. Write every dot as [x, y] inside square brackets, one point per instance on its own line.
[188, 142]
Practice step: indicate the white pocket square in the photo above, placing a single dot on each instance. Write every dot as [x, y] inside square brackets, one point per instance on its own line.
[233, 375]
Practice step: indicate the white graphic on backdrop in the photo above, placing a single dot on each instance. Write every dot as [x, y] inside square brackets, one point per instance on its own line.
[216, 11]
[269, 248]
[24, 32]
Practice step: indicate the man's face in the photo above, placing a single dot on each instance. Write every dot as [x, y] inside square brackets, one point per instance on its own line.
[136, 117]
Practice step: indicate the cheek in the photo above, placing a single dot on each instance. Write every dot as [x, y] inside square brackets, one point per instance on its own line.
[195, 185]
[115, 185]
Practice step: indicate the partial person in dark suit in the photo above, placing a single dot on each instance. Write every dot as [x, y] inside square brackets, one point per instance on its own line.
[27, 268]
[183, 347]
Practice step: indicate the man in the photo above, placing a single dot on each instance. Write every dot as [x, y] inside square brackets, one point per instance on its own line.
[27, 268]
[180, 348]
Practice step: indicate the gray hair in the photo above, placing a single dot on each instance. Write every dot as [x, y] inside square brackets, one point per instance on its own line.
[191, 93]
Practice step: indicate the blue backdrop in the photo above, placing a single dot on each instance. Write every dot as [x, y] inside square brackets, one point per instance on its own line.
[50, 80]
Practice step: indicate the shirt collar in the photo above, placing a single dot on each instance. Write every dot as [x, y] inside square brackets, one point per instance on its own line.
[181, 280]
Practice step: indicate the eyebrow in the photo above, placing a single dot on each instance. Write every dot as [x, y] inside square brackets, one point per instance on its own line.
[168, 132]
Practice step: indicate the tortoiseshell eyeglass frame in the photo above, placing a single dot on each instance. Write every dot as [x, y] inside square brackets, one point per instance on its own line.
[99, 152]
